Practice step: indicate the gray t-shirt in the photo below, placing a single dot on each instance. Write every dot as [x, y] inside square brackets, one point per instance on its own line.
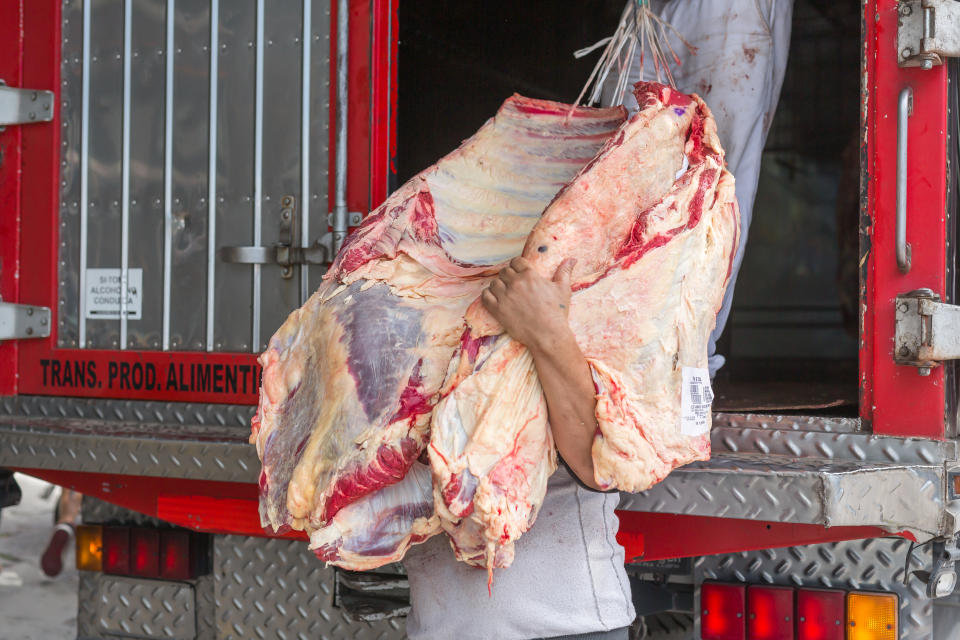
[567, 577]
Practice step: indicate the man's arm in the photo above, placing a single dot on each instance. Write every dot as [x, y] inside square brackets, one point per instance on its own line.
[534, 311]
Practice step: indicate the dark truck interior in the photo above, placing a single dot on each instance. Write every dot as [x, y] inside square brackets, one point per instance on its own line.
[791, 342]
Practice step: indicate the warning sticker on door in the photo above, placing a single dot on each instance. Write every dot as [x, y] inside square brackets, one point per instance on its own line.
[696, 396]
[103, 294]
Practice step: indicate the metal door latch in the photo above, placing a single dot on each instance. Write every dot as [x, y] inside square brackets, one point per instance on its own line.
[927, 32]
[284, 253]
[23, 106]
[927, 330]
[22, 321]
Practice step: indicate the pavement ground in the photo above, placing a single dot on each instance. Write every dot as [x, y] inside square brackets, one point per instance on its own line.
[33, 606]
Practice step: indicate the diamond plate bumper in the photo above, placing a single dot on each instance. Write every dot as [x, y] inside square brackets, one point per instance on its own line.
[798, 469]
[129, 446]
[781, 489]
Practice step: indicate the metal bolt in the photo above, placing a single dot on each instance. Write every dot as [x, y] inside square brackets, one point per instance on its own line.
[905, 9]
[924, 371]
[926, 65]
[904, 352]
[903, 307]
[43, 322]
[906, 53]
[29, 331]
[30, 311]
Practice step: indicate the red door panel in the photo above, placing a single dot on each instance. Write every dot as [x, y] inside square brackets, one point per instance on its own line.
[43, 368]
[894, 399]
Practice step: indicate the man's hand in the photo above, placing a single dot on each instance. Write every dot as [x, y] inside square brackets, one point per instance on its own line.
[535, 311]
[532, 309]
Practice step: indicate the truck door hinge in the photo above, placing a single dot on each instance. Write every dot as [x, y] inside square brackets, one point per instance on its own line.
[284, 252]
[24, 106]
[21, 321]
[927, 330]
[927, 32]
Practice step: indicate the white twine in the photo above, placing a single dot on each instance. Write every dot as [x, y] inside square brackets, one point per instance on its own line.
[638, 27]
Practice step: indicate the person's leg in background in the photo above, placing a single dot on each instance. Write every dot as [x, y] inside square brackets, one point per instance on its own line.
[10, 493]
[741, 55]
[67, 517]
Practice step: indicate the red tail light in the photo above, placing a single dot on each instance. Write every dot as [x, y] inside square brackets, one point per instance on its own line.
[116, 550]
[820, 614]
[145, 551]
[769, 613]
[721, 611]
[175, 555]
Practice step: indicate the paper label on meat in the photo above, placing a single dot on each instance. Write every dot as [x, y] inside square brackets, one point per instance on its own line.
[696, 396]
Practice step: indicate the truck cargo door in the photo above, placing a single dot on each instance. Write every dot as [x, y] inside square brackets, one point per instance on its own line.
[171, 211]
[904, 214]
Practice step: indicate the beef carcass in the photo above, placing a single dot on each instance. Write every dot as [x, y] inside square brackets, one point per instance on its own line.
[351, 378]
[653, 224]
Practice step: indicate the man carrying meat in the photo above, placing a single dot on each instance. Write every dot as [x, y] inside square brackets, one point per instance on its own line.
[568, 578]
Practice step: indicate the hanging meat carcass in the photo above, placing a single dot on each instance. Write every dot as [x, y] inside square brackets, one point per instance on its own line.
[351, 378]
[653, 224]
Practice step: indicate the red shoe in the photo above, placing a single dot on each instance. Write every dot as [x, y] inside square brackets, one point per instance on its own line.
[52, 560]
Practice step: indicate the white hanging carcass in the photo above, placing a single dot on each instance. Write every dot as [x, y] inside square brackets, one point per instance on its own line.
[394, 353]
[653, 224]
[351, 378]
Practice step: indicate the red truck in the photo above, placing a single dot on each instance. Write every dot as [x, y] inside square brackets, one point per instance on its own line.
[174, 174]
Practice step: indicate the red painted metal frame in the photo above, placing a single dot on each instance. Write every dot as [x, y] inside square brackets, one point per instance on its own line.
[656, 536]
[11, 72]
[231, 507]
[383, 98]
[894, 399]
[372, 72]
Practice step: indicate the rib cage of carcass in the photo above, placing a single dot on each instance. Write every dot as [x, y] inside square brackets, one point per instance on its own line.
[392, 407]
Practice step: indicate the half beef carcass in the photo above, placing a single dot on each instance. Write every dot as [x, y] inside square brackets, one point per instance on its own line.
[351, 378]
[653, 224]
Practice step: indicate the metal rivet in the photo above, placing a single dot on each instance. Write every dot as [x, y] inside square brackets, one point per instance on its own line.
[924, 371]
[904, 352]
[926, 65]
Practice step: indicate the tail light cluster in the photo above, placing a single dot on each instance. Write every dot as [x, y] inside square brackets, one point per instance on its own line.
[734, 611]
[169, 554]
